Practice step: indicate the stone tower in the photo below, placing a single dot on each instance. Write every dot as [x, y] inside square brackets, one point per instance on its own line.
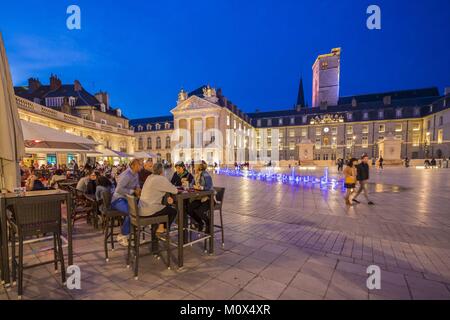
[326, 79]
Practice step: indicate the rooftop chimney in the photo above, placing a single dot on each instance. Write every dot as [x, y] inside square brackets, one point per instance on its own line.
[33, 84]
[103, 97]
[66, 107]
[77, 86]
[55, 83]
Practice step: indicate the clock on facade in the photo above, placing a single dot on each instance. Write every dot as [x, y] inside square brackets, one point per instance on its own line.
[326, 129]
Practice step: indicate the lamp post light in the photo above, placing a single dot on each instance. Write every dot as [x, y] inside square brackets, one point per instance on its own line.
[353, 146]
[426, 145]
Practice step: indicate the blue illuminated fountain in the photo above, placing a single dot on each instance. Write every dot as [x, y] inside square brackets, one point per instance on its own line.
[268, 175]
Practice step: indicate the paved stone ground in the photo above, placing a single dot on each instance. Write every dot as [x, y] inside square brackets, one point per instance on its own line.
[285, 242]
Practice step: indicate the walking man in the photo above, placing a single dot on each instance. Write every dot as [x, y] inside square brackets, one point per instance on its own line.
[362, 176]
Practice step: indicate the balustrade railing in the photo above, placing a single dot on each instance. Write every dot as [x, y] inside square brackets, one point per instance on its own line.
[54, 114]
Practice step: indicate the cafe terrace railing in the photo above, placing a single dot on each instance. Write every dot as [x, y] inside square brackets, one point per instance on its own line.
[30, 106]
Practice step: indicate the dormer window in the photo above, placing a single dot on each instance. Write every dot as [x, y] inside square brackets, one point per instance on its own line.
[304, 119]
[292, 120]
[258, 123]
[119, 113]
[380, 114]
[167, 125]
[132, 128]
[280, 121]
[140, 128]
[102, 107]
[416, 112]
[349, 116]
[158, 126]
[72, 101]
[269, 122]
[365, 115]
[398, 113]
[149, 127]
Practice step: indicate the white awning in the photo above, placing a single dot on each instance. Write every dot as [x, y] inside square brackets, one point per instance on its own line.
[57, 147]
[108, 153]
[38, 133]
[143, 155]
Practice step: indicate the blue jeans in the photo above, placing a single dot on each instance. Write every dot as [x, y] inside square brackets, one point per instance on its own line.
[122, 206]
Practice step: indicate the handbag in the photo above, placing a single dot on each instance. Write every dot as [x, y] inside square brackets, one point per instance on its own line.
[350, 180]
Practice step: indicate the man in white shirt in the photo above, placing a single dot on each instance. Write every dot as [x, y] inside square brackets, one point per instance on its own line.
[83, 182]
[155, 188]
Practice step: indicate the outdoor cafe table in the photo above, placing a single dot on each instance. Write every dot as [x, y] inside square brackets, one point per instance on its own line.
[9, 199]
[180, 198]
[67, 183]
[93, 202]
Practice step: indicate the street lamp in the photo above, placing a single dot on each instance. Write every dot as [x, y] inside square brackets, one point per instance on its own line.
[426, 145]
[353, 146]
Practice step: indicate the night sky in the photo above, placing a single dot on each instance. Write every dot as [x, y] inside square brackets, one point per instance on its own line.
[143, 52]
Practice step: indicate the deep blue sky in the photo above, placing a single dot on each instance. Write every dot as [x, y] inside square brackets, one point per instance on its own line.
[143, 52]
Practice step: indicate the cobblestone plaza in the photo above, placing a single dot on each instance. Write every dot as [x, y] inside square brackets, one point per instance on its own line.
[284, 241]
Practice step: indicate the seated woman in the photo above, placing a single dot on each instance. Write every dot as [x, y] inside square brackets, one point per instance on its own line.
[92, 183]
[34, 183]
[181, 175]
[155, 188]
[103, 184]
[58, 176]
[198, 209]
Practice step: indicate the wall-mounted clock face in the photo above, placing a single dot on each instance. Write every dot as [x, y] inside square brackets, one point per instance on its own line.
[326, 129]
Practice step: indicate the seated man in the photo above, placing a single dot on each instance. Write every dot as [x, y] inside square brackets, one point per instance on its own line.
[145, 172]
[58, 176]
[128, 183]
[181, 175]
[83, 182]
[155, 188]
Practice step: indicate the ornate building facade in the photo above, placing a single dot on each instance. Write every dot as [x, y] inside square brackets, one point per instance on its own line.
[70, 108]
[205, 125]
[398, 124]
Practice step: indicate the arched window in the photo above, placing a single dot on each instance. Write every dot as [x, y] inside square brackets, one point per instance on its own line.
[123, 146]
[167, 125]
[158, 143]
[167, 142]
[119, 113]
[149, 143]
[140, 143]
[158, 126]
[140, 128]
[149, 127]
